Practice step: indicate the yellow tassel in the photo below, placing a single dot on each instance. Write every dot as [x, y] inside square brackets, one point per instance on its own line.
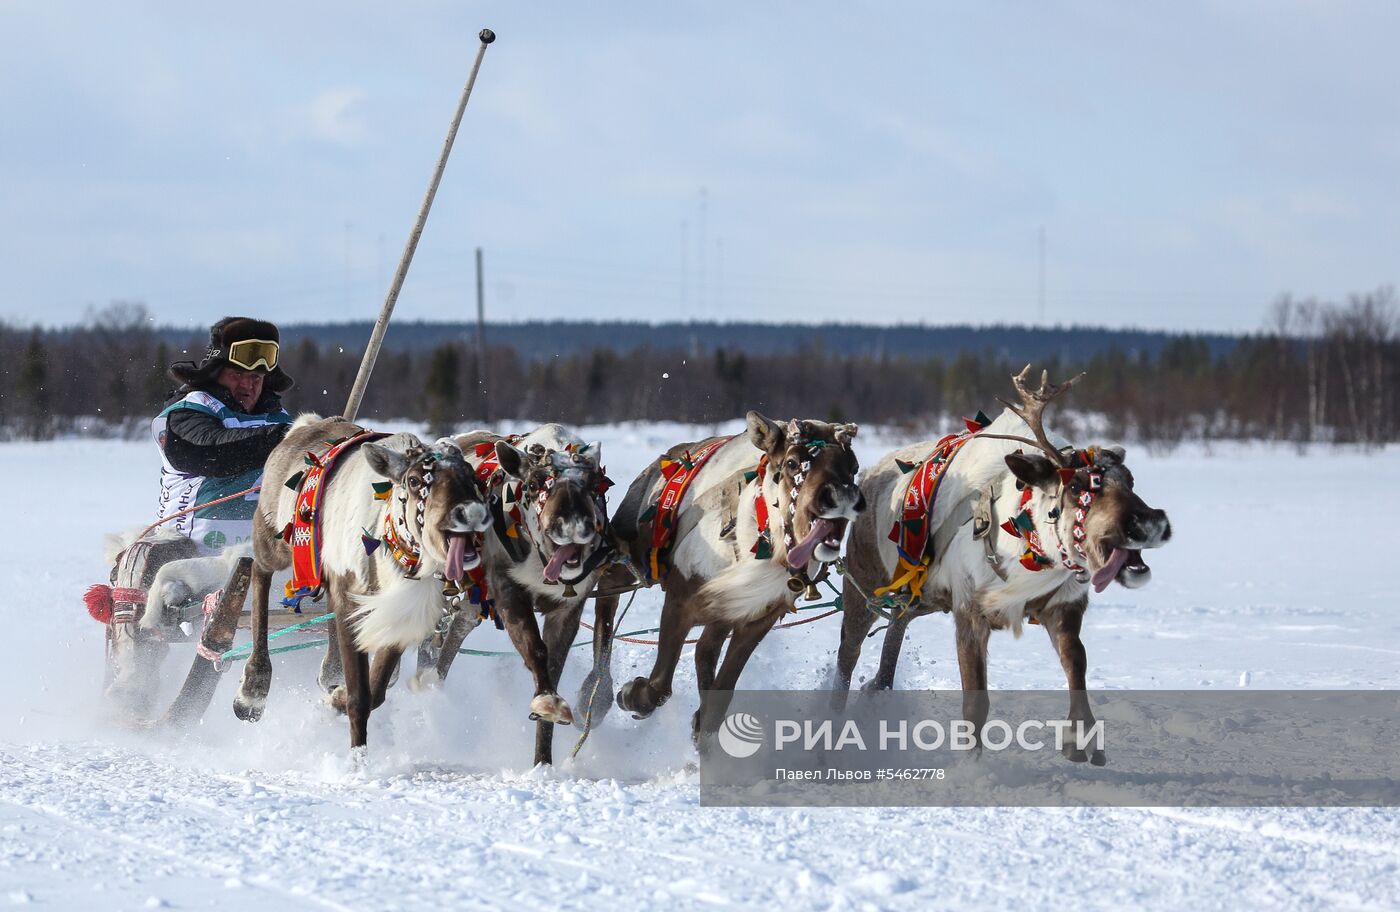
[913, 577]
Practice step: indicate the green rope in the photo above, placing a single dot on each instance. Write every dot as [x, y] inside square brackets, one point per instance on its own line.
[241, 652]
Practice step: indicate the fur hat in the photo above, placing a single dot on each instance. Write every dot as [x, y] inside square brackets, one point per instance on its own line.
[221, 335]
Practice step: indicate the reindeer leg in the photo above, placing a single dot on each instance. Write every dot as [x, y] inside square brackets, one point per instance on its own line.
[251, 699]
[1063, 624]
[973, 632]
[382, 674]
[856, 621]
[519, 618]
[707, 653]
[332, 671]
[434, 663]
[642, 696]
[352, 697]
[889, 652]
[715, 701]
[595, 695]
[560, 628]
[707, 661]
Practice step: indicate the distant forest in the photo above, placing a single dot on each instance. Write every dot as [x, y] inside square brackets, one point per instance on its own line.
[1317, 371]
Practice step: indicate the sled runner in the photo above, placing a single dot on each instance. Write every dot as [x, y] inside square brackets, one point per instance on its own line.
[136, 652]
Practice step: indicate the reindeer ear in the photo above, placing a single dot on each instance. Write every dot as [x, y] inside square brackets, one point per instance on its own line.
[391, 464]
[594, 451]
[1032, 469]
[1115, 453]
[766, 434]
[514, 461]
[845, 433]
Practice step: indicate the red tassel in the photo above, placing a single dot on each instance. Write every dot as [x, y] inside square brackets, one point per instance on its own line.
[98, 599]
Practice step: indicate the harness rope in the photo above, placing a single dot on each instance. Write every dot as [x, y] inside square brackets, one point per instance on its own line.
[208, 503]
[240, 652]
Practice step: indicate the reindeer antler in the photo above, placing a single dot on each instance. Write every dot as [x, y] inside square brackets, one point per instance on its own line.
[1032, 411]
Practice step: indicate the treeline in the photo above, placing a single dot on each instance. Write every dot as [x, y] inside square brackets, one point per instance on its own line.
[1318, 372]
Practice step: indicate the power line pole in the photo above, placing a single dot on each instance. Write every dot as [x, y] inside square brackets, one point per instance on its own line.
[704, 241]
[1040, 296]
[481, 342]
[685, 264]
[348, 308]
[719, 278]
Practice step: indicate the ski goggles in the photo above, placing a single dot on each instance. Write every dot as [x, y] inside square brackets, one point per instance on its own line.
[250, 354]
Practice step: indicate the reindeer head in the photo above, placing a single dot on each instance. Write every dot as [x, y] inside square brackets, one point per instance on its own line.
[1083, 499]
[1093, 514]
[563, 505]
[811, 481]
[437, 504]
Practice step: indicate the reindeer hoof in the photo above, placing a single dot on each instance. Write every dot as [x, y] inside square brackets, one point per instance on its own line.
[1097, 758]
[328, 682]
[425, 680]
[248, 709]
[551, 708]
[639, 698]
[337, 699]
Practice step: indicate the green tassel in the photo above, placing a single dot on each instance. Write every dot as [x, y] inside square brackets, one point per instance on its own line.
[763, 549]
[647, 514]
[382, 487]
[982, 419]
[295, 481]
[906, 467]
[750, 476]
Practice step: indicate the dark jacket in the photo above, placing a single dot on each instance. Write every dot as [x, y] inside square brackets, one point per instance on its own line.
[198, 442]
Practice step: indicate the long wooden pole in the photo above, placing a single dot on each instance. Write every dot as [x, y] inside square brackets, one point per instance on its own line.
[376, 339]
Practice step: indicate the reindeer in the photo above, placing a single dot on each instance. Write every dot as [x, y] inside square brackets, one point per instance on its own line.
[548, 496]
[1018, 528]
[758, 517]
[400, 522]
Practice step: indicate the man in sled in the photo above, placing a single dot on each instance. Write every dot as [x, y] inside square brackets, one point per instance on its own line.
[217, 430]
[214, 436]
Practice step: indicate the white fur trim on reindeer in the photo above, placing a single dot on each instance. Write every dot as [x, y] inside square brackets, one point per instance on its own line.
[747, 590]
[399, 615]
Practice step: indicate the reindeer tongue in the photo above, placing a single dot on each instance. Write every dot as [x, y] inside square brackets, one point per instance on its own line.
[456, 555]
[562, 555]
[801, 552]
[1109, 571]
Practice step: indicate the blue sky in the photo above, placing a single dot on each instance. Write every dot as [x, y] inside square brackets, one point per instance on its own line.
[1188, 162]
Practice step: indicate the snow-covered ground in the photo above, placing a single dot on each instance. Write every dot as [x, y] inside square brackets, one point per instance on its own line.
[1281, 573]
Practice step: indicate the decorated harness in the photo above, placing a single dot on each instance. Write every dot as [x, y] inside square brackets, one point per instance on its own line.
[910, 532]
[679, 473]
[763, 545]
[1022, 525]
[303, 533]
